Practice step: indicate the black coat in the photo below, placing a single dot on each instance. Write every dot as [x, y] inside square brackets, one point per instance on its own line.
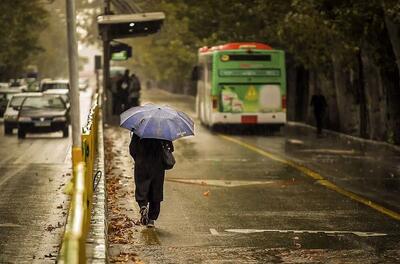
[149, 168]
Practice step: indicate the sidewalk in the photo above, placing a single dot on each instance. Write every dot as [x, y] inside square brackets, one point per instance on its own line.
[124, 231]
[365, 167]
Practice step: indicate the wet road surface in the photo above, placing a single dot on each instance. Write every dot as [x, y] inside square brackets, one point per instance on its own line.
[33, 173]
[226, 203]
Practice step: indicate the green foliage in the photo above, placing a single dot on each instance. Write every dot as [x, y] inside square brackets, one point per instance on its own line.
[22, 21]
[52, 62]
[313, 31]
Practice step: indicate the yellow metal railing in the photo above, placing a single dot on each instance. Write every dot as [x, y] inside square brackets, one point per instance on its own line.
[81, 190]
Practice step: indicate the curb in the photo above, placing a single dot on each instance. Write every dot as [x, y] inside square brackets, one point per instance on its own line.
[366, 144]
[96, 243]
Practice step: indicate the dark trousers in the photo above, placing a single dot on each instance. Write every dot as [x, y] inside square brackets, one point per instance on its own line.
[149, 183]
[154, 209]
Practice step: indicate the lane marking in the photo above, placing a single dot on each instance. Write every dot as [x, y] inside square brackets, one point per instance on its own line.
[329, 151]
[328, 232]
[10, 175]
[214, 232]
[319, 179]
[229, 183]
[68, 156]
[9, 225]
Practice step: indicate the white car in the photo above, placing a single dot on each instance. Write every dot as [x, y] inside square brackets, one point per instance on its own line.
[5, 96]
[48, 84]
[63, 93]
[12, 111]
[18, 84]
[83, 83]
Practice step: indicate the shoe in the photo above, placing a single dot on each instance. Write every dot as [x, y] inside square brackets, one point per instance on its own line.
[144, 218]
[151, 223]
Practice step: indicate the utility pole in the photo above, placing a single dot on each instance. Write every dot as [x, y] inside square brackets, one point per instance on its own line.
[106, 66]
[73, 82]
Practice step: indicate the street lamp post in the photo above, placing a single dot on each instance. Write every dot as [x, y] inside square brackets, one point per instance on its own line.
[73, 81]
[106, 65]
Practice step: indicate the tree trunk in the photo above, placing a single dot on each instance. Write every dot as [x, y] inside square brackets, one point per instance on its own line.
[291, 90]
[302, 94]
[391, 77]
[394, 36]
[374, 92]
[344, 98]
[362, 98]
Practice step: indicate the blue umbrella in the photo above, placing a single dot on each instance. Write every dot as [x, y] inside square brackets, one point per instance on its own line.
[161, 122]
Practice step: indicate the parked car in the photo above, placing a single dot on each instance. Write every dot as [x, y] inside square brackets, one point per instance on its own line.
[83, 83]
[46, 113]
[18, 84]
[5, 96]
[12, 111]
[48, 84]
[63, 93]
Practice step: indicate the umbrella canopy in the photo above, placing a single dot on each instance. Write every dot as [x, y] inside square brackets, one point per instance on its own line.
[161, 122]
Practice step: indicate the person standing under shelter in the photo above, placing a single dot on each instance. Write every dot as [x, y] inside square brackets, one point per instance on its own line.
[318, 102]
[123, 91]
[149, 175]
[134, 90]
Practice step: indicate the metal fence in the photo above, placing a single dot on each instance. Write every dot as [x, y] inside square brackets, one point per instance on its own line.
[81, 190]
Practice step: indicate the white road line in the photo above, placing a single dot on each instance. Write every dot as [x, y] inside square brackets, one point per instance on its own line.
[10, 175]
[9, 225]
[214, 232]
[222, 183]
[68, 156]
[330, 232]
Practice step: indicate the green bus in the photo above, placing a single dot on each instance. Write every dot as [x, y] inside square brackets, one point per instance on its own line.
[241, 83]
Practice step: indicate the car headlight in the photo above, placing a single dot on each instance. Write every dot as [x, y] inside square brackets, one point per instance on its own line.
[24, 119]
[59, 119]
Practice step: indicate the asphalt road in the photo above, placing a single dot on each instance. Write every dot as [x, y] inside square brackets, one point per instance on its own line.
[33, 173]
[238, 198]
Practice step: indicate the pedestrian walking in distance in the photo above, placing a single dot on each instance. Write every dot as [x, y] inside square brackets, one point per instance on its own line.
[149, 175]
[154, 128]
[318, 102]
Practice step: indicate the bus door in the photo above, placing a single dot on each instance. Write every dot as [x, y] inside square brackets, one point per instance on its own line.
[207, 94]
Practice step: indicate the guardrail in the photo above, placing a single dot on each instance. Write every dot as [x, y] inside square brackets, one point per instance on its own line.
[81, 190]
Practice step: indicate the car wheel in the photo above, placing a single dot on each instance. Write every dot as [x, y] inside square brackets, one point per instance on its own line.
[65, 131]
[7, 130]
[21, 133]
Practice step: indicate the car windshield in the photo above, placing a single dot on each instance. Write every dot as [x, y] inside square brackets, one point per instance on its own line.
[16, 101]
[53, 102]
[15, 84]
[6, 96]
[49, 86]
[65, 98]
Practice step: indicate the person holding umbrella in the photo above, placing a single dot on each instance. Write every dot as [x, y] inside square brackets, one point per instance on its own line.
[154, 128]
